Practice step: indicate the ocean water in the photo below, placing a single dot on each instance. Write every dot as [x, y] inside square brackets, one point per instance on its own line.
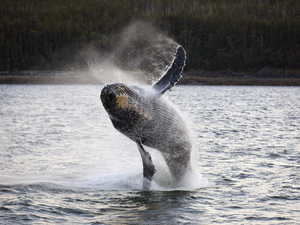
[62, 162]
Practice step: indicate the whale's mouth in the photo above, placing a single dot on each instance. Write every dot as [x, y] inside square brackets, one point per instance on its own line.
[115, 89]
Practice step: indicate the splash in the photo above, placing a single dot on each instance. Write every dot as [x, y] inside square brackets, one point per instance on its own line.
[142, 56]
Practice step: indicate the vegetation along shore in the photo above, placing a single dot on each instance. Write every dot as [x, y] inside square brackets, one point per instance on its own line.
[260, 36]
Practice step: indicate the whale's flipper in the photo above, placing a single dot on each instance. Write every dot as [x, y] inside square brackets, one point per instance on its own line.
[148, 167]
[173, 75]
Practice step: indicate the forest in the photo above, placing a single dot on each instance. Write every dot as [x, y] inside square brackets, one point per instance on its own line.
[218, 35]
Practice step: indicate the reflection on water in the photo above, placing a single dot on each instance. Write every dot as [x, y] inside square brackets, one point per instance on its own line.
[61, 160]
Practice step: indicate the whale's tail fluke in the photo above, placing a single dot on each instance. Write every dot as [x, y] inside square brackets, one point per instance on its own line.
[173, 75]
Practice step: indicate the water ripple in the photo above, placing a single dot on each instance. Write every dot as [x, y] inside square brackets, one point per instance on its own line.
[62, 162]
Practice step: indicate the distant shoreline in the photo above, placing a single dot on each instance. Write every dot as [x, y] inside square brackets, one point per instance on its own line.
[189, 78]
[240, 81]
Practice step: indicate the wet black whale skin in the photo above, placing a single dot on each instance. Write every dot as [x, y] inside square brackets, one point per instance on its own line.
[148, 119]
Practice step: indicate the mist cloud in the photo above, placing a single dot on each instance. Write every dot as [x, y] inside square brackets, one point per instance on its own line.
[143, 55]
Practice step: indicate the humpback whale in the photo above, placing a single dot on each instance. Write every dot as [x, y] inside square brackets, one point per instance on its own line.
[149, 120]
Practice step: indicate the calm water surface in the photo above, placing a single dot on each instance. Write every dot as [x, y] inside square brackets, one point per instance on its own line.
[61, 161]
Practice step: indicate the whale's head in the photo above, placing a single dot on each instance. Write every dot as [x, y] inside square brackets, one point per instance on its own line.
[122, 103]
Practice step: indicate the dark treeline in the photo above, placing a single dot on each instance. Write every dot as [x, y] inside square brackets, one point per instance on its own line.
[228, 35]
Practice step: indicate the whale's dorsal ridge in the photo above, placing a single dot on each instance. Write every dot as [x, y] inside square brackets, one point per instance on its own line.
[173, 75]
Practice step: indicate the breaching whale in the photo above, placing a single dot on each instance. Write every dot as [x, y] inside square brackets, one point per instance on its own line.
[147, 119]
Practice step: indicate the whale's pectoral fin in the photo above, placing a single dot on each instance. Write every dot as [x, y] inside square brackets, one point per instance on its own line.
[148, 167]
[173, 75]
